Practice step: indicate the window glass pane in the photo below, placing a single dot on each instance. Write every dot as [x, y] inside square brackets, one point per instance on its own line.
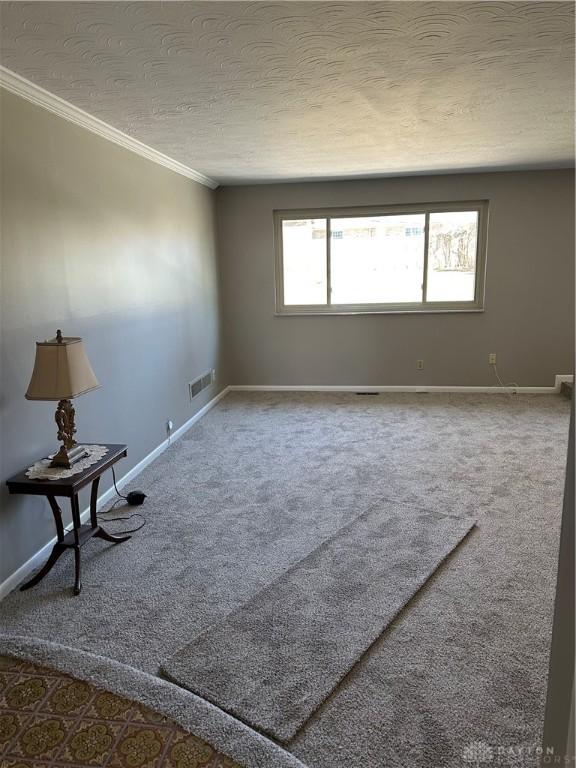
[377, 259]
[304, 257]
[452, 256]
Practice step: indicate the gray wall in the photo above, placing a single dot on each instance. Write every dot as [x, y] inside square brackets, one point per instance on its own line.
[528, 318]
[109, 246]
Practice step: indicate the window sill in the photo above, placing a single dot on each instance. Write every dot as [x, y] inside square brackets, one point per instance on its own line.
[343, 312]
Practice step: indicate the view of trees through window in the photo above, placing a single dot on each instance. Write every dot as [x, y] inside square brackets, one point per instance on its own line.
[387, 259]
[452, 256]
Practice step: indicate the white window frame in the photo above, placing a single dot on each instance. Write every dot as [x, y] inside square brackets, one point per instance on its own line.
[476, 305]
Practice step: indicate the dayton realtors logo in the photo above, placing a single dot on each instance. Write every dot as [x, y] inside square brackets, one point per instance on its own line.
[481, 755]
[478, 753]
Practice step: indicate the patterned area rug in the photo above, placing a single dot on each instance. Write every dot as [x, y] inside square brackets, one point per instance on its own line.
[50, 719]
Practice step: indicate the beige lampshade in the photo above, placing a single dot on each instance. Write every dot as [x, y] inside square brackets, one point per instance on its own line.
[61, 370]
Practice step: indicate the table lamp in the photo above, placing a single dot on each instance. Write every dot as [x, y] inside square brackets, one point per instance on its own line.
[62, 371]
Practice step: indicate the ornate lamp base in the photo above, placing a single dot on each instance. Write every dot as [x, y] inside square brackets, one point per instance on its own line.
[66, 457]
[70, 452]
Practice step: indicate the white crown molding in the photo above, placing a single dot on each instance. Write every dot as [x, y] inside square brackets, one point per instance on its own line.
[31, 92]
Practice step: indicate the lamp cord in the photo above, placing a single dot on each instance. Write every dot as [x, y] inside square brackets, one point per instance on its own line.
[510, 388]
[129, 517]
[115, 486]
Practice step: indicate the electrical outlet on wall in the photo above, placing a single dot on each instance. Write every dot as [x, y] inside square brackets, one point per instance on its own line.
[420, 365]
[492, 358]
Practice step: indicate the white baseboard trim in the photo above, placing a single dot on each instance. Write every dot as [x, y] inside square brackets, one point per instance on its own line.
[39, 557]
[495, 390]
[136, 470]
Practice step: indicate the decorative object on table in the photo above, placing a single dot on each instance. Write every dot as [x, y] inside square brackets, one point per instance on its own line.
[44, 469]
[62, 371]
[70, 487]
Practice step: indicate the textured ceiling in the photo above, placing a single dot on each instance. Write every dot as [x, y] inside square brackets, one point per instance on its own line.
[286, 90]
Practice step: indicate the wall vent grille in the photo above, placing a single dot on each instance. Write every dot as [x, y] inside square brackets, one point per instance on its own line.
[199, 384]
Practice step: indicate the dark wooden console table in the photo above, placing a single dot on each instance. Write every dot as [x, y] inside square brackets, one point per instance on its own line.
[69, 487]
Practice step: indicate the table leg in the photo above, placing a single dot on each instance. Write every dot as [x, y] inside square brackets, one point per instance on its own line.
[77, 523]
[77, 574]
[94, 503]
[57, 549]
[57, 517]
[102, 534]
